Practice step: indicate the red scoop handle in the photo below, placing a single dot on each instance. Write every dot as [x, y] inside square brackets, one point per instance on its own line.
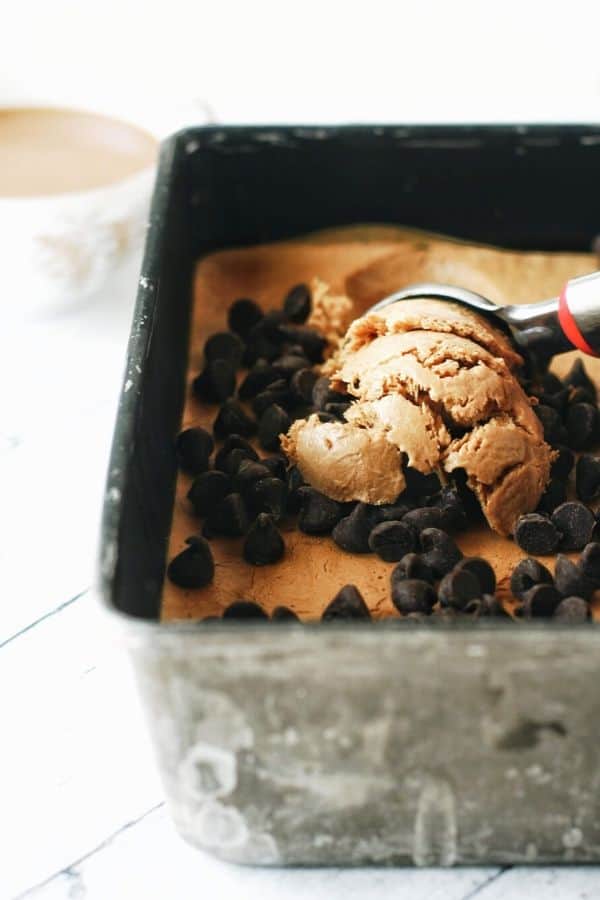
[579, 313]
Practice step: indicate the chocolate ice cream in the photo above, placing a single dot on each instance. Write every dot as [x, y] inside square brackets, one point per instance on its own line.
[434, 390]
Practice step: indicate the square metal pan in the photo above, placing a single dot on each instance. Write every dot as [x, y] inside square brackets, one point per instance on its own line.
[357, 744]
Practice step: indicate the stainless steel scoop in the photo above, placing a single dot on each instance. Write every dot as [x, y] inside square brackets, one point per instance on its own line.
[567, 322]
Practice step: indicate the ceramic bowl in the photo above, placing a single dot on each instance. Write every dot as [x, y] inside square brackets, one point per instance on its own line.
[60, 249]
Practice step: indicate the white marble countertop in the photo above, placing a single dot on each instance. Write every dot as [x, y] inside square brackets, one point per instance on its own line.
[82, 813]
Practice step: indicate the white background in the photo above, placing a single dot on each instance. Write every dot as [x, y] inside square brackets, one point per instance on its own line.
[319, 61]
[80, 804]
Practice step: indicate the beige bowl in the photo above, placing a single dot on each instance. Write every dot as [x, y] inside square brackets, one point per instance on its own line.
[58, 249]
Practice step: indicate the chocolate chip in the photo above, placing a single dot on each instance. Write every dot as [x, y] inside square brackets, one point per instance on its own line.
[244, 609]
[323, 394]
[526, 574]
[572, 611]
[271, 324]
[554, 430]
[277, 393]
[294, 482]
[458, 587]
[288, 364]
[301, 411]
[264, 340]
[550, 383]
[570, 580]
[224, 345]
[208, 490]
[282, 614]
[233, 442]
[263, 544]
[262, 343]
[420, 485]
[233, 460]
[558, 401]
[289, 349]
[589, 562]
[273, 422]
[575, 522]
[337, 409]
[193, 447]
[581, 395]
[474, 608]
[249, 471]
[486, 606]
[389, 512]
[352, 532]
[216, 382]
[553, 496]
[582, 424]
[232, 419]
[439, 551]
[412, 595]
[277, 466]
[312, 342]
[482, 571]
[438, 539]
[228, 518]
[578, 377]
[413, 566]
[540, 601]
[392, 540]
[536, 534]
[562, 465]
[492, 606]
[318, 514]
[587, 478]
[268, 495]
[295, 479]
[297, 303]
[449, 501]
[425, 517]
[243, 315]
[302, 384]
[260, 376]
[193, 567]
[348, 604]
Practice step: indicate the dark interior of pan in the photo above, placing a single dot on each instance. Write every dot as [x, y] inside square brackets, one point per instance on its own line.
[525, 187]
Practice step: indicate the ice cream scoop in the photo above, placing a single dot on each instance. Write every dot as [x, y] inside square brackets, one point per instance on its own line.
[569, 321]
[431, 386]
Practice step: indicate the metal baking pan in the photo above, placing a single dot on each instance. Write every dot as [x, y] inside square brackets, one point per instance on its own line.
[361, 744]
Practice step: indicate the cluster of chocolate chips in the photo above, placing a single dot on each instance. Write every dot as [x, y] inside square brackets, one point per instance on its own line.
[247, 609]
[465, 590]
[236, 492]
[279, 351]
[431, 577]
[437, 583]
[564, 597]
[570, 418]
